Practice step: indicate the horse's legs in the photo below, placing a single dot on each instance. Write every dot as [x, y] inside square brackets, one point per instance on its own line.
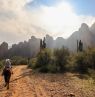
[7, 85]
[8, 81]
[5, 78]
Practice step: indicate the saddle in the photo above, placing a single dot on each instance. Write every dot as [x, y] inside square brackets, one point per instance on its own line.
[6, 70]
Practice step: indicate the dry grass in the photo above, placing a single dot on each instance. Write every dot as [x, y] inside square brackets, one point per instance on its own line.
[62, 85]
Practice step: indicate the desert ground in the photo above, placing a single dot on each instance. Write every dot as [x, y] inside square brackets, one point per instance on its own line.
[27, 83]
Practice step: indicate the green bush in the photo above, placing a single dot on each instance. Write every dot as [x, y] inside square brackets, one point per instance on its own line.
[80, 61]
[32, 63]
[70, 67]
[61, 57]
[61, 60]
[17, 60]
[85, 60]
[91, 73]
[90, 58]
[48, 61]
[52, 68]
[43, 59]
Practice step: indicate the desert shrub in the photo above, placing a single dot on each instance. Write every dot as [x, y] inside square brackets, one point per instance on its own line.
[49, 67]
[61, 60]
[70, 67]
[32, 63]
[17, 60]
[48, 61]
[43, 59]
[85, 60]
[90, 58]
[80, 65]
[52, 68]
[61, 57]
[91, 73]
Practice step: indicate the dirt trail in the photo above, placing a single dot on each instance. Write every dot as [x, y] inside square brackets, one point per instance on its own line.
[21, 85]
[26, 83]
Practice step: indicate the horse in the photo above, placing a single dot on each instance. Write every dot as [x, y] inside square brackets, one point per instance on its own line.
[7, 75]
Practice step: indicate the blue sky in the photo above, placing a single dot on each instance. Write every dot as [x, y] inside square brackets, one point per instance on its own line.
[37, 3]
[86, 7]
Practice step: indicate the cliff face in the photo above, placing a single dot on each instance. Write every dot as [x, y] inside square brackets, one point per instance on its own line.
[31, 47]
[85, 34]
[92, 29]
[3, 49]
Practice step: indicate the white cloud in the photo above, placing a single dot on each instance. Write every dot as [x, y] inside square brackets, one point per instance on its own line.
[58, 20]
[62, 20]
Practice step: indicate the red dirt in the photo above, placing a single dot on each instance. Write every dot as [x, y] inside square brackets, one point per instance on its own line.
[26, 83]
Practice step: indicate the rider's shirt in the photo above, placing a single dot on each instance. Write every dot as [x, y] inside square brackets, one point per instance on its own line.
[8, 65]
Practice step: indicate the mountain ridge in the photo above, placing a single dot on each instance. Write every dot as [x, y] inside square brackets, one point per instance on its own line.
[31, 47]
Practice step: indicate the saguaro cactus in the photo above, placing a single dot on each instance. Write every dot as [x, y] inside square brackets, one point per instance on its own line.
[42, 43]
[80, 46]
[77, 45]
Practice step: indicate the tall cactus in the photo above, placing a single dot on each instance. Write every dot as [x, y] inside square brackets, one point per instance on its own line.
[42, 43]
[77, 45]
[80, 46]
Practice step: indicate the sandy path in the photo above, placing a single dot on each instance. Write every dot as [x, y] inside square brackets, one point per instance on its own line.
[26, 83]
[21, 85]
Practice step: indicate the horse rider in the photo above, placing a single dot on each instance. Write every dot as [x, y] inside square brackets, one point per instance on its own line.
[7, 71]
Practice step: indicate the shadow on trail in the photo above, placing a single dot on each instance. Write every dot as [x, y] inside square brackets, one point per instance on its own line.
[2, 88]
[28, 73]
[82, 76]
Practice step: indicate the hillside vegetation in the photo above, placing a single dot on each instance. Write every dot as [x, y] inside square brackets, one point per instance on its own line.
[61, 60]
